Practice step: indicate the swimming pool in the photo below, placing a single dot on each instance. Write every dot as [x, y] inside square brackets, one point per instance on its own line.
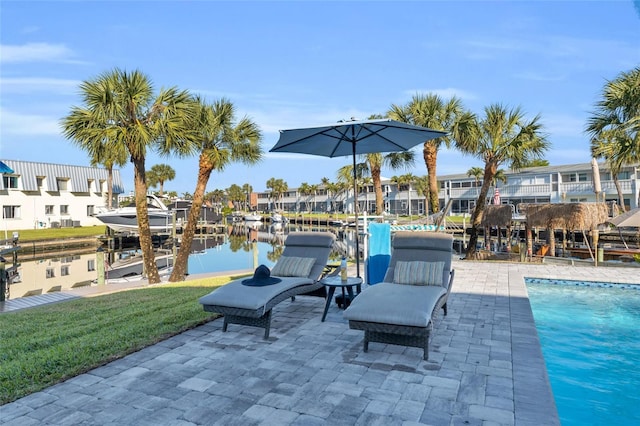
[590, 342]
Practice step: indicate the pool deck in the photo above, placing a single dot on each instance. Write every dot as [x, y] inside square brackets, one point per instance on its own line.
[485, 368]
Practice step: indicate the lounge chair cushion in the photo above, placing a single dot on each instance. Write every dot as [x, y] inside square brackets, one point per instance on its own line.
[293, 266]
[390, 303]
[240, 296]
[418, 273]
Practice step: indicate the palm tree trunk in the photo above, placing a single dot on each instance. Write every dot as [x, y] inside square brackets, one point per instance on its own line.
[476, 218]
[619, 190]
[146, 245]
[110, 186]
[377, 185]
[430, 153]
[188, 233]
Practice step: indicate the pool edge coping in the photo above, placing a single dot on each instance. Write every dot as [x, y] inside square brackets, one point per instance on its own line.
[534, 402]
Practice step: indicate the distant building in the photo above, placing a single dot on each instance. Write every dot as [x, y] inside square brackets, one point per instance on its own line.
[43, 195]
[570, 183]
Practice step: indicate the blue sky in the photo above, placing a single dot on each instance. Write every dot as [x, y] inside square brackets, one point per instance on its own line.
[298, 64]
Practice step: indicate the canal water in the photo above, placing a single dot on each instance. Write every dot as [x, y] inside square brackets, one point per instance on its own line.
[240, 248]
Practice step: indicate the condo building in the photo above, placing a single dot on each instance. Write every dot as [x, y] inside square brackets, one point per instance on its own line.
[570, 183]
[42, 195]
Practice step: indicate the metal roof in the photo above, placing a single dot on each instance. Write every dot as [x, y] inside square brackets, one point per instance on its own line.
[79, 176]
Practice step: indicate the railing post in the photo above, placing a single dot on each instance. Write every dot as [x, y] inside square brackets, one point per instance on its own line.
[3, 280]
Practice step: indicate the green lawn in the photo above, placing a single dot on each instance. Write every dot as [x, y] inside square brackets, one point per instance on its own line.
[44, 345]
[55, 233]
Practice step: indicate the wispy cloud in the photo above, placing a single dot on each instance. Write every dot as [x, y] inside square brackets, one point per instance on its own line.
[565, 126]
[38, 84]
[36, 52]
[579, 50]
[18, 124]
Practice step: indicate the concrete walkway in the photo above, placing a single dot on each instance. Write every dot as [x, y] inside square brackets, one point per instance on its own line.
[485, 368]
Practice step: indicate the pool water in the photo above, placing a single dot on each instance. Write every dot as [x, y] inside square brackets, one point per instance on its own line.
[591, 346]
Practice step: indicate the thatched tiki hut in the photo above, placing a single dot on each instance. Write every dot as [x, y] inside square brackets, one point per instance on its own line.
[567, 217]
[499, 216]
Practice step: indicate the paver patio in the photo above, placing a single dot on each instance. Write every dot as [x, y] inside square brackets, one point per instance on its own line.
[485, 368]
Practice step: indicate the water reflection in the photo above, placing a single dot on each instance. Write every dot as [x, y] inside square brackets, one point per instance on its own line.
[242, 247]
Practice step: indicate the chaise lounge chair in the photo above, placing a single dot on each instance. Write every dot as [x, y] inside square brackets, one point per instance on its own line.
[400, 310]
[298, 270]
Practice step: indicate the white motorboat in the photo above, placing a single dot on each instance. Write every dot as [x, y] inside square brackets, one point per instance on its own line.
[277, 218]
[125, 219]
[252, 217]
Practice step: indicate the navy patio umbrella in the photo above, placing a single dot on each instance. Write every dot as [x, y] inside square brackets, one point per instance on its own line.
[352, 138]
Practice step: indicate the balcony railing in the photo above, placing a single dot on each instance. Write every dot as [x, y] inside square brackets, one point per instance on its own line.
[587, 187]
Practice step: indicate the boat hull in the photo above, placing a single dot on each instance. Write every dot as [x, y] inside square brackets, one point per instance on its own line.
[161, 221]
[134, 266]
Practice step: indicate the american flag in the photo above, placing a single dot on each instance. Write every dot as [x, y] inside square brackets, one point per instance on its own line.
[496, 197]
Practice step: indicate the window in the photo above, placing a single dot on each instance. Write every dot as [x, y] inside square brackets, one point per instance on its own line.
[582, 177]
[91, 210]
[11, 212]
[48, 209]
[63, 184]
[624, 175]
[64, 209]
[51, 273]
[90, 184]
[10, 182]
[64, 270]
[39, 181]
[91, 265]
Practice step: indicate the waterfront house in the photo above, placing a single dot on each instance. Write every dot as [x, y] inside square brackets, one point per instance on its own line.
[43, 195]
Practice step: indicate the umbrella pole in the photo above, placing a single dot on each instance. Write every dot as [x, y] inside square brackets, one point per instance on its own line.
[355, 207]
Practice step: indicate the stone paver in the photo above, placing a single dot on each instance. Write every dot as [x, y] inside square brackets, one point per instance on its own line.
[485, 367]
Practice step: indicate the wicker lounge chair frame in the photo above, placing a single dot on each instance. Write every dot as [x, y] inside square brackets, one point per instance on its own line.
[409, 246]
[300, 244]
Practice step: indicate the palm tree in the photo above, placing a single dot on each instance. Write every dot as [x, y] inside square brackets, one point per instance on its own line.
[502, 136]
[536, 162]
[313, 189]
[216, 197]
[433, 112]
[159, 174]
[236, 195]
[305, 190]
[373, 164]
[278, 188]
[247, 189]
[407, 179]
[330, 188]
[221, 141]
[476, 172]
[615, 125]
[604, 146]
[122, 114]
[421, 185]
[345, 179]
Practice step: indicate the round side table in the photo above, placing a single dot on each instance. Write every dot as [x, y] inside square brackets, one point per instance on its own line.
[334, 282]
